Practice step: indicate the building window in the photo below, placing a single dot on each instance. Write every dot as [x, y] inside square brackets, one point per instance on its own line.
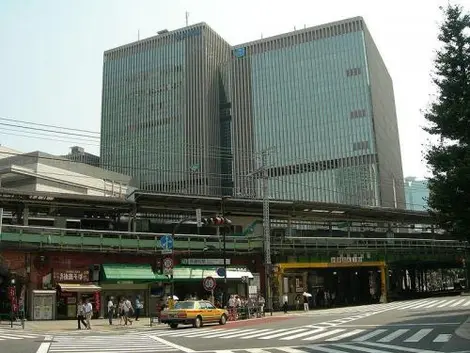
[353, 72]
[362, 145]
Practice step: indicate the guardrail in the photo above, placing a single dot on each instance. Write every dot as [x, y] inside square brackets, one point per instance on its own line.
[73, 239]
[80, 239]
[368, 243]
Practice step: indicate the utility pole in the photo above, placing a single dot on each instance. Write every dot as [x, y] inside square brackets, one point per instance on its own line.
[267, 230]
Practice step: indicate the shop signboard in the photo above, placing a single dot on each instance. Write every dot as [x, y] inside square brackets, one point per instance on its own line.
[205, 262]
[71, 276]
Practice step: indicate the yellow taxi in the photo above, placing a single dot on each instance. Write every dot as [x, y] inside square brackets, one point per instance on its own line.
[193, 312]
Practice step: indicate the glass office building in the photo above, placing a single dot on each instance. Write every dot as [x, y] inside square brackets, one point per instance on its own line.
[160, 111]
[417, 194]
[321, 102]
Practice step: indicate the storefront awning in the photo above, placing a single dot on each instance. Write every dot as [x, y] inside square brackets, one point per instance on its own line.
[128, 272]
[79, 288]
[201, 272]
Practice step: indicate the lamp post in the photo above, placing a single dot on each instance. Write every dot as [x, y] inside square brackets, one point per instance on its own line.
[12, 295]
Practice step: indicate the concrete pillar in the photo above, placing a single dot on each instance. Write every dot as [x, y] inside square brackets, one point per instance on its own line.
[383, 284]
[25, 215]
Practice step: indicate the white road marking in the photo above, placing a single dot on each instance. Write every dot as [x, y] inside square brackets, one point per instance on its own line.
[418, 336]
[369, 335]
[324, 334]
[283, 334]
[399, 348]
[303, 334]
[345, 335]
[171, 344]
[445, 337]
[457, 303]
[393, 335]
[44, 347]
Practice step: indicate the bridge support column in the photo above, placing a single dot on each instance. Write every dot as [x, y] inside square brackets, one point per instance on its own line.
[383, 284]
[25, 215]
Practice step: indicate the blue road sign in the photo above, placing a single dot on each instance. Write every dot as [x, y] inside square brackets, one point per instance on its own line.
[221, 272]
[167, 241]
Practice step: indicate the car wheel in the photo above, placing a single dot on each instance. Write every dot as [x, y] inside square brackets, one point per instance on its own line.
[223, 320]
[197, 322]
[174, 325]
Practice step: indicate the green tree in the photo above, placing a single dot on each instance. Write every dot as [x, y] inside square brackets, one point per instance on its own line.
[448, 120]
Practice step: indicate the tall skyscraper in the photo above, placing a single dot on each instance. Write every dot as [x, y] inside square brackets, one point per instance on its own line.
[320, 101]
[160, 110]
[184, 112]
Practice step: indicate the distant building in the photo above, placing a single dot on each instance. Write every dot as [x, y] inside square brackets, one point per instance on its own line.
[6, 152]
[38, 171]
[78, 154]
[416, 193]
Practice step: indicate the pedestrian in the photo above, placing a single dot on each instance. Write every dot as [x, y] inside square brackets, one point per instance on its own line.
[121, 311]
[88, 313]
[81, 314]
[128, 309]
[110, 310]
[138, 307]
[306, 303]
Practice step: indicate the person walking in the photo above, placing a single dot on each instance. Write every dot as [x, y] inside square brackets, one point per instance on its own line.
[110, 310]
[81, 315]
[88, 313]
[128, 309]
[138, 307]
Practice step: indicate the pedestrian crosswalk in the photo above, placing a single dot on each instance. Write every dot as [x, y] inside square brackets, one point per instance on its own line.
[453, 303]
[105, 344]
[16, 335]
[323, 332]
[367, 347]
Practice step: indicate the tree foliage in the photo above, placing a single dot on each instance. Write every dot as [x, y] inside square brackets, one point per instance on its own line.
[448, 119]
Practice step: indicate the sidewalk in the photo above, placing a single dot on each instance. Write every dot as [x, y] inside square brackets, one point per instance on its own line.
[102, 325]
[97, 325]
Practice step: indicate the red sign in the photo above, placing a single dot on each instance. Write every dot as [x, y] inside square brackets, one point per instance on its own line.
[97, 301]
[72, 276]
[209, 284]
[167, 262]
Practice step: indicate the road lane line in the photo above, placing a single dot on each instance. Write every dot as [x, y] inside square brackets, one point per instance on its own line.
[444, 337]
[394, 335]
[170, 344]
[418, 336]
[369, 335]
[44, 347]
[324, 334]
[345, 335]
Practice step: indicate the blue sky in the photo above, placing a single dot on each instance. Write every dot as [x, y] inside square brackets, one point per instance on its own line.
[52, 51]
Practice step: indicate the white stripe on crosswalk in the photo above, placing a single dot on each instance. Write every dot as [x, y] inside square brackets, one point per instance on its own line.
[393, 335]
[328, 350]
[457, 303]
[424, 304]
[290, 350]
[262, 333]
[303, 334]
[418, 336]
[222, 334]
[432, 305]
[446, 302]
[324, 334]
[10, 337]
[256, 350]
[467, 303]
[369, 335]
[240, 333]
[276, 335]
[401, 349]
[445, 337]
[212, 333]
[345, 335]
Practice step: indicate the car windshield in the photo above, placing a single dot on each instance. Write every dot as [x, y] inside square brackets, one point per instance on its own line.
[184, 305]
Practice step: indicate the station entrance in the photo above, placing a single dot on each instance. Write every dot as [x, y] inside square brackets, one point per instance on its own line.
[331, 284]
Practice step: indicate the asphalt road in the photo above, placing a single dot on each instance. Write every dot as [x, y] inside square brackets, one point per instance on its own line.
[422, 326]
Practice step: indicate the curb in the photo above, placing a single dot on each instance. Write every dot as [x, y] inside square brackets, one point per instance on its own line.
[464, 330]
